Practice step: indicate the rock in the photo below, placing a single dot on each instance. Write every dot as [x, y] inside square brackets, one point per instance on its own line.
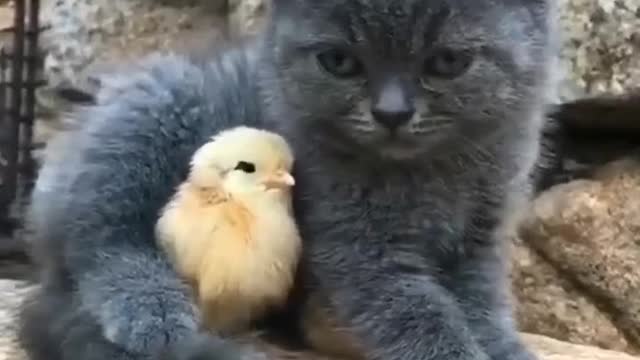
[246, 17]
[550, 349]
[586, 233]
[12, 294]
[85, 39]
[81, 32]
[549, 304]
[601, 46]
[6, 16]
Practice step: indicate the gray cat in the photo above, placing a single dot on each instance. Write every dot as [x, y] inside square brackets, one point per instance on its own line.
[415, 124]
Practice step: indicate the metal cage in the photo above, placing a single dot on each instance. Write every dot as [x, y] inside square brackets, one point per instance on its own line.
[20, 59]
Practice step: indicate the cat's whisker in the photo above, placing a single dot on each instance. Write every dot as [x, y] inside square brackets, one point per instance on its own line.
[357, 120]
[364, 129]
[430, 125]
[362, 124]
[423, 131]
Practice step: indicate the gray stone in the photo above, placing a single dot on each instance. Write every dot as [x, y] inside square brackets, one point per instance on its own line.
[83, 34]
[246, 17]
[586, 235]
[601, 46]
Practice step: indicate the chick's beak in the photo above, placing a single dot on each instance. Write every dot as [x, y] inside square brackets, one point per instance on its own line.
[280, 179]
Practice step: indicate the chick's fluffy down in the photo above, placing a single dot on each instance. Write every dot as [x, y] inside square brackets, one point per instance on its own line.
[229, 228]
[240, 258]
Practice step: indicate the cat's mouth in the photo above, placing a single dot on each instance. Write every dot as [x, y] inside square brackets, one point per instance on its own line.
[401, 144]
[406, 143]
[398, 144]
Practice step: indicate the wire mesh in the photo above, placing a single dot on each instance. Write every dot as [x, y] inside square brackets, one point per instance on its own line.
[19, 62]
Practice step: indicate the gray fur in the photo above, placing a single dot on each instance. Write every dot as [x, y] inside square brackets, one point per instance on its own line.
[401, 232]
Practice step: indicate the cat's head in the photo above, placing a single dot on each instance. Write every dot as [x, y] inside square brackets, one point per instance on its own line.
[403, 78]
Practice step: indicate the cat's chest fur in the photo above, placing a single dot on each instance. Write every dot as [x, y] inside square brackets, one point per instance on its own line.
[394, 216]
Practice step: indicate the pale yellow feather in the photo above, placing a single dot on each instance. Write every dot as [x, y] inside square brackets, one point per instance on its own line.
[236, 244]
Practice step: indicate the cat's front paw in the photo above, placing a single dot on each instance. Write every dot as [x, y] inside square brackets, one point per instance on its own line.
[206, 347]
[147, 324]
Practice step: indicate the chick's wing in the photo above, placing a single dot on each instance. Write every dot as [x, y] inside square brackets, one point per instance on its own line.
[198, 228]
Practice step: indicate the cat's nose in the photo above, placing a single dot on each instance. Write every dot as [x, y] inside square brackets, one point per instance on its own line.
[392, 108]
[392, 119]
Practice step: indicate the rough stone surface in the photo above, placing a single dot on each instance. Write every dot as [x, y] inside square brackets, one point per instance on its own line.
[587, 232]
[551, 305]
[11, 295]
[84, 38]
[551, 349]
[83, 33]
[246, 17]
[13, 292]
[601, 47]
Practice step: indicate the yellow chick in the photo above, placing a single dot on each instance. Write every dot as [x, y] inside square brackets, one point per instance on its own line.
[229, 229]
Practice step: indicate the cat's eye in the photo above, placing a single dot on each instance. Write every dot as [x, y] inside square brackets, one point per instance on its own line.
[448, 63]
[246, 167]
[340, 63]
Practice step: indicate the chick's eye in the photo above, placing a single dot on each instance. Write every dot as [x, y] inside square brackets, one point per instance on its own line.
[448, 63]
[246, 167]
[339, 63]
